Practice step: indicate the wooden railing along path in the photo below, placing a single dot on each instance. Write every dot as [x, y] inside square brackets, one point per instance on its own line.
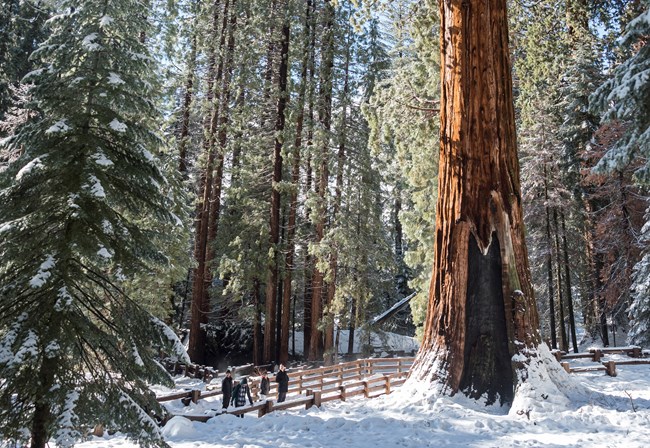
[367, 377]
[597, 354]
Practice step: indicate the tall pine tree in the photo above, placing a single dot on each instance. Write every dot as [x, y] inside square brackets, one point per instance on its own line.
[83, 212]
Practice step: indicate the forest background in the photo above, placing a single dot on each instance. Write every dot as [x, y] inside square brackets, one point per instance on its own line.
[299, 143]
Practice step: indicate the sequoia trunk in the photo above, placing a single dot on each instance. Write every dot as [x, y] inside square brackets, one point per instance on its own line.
[481, 308]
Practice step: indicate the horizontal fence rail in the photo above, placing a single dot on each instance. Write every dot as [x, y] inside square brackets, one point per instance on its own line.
[597, 354]
[365, 377]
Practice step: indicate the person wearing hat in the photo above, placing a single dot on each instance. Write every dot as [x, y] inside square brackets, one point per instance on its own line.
[240, 393]
[226, 389]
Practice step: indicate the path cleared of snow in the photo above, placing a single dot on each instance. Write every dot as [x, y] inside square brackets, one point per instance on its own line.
[411, 418]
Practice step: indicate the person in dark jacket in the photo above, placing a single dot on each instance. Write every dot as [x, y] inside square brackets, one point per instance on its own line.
[226, 389]
[283, 383]
[264, 385]
[240, 392]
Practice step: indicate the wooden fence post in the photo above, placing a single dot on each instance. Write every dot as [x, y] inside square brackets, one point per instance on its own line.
[365, 388]
[268, 407]
[342, 391]
[566, 366]
[610, 368]
[598, 355]
[317, 398]
[387, 380]
[196, 395]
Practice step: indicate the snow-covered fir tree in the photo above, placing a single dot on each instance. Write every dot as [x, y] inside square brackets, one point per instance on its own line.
[639, 312]
[624, 97]
[624, 100]
[84, 211]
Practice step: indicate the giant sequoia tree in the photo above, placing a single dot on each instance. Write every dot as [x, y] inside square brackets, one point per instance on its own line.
[481, 307]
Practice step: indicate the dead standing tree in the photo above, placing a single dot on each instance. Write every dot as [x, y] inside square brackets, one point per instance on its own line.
[481, 308]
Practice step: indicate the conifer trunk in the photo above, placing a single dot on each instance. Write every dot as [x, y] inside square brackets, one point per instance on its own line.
[325, 119]
[567, 281]
[225, 70]
[257, 324]
[549, 265]
[272, 278]
[560, 295]
[329, 347]
[481, 308]
[591, 305]
[295, 181]
[308, 265]
[42, 417]
[200, 308]
[184, 131]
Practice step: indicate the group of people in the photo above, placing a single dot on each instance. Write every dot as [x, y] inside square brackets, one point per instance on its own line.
[236, 392]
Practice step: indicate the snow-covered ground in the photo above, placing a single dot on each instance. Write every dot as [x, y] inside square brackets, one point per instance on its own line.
[411, 417]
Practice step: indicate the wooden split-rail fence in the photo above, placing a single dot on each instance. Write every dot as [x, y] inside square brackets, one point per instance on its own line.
[365, 377]
[597, 354]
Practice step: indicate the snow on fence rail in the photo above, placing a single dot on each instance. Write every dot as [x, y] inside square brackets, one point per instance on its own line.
[367, 377]
[597, 354]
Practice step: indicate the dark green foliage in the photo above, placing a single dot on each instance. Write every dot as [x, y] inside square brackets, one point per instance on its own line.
[624, 98]
[85, 211]
[21, 30]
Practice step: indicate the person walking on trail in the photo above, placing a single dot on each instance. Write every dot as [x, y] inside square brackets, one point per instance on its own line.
[283, 383]
[226, 389]
[264, 385]
[240, 392]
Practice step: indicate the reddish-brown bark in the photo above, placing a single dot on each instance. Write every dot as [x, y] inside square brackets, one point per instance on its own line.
[293, 199]
[325, 119]
[212, 178]
[481, 307]
[199, 308]
[274, 233]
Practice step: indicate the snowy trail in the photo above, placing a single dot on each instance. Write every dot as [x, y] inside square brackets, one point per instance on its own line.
[401, 420]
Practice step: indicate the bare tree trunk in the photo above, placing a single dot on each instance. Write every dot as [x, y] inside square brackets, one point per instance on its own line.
[481, 308]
